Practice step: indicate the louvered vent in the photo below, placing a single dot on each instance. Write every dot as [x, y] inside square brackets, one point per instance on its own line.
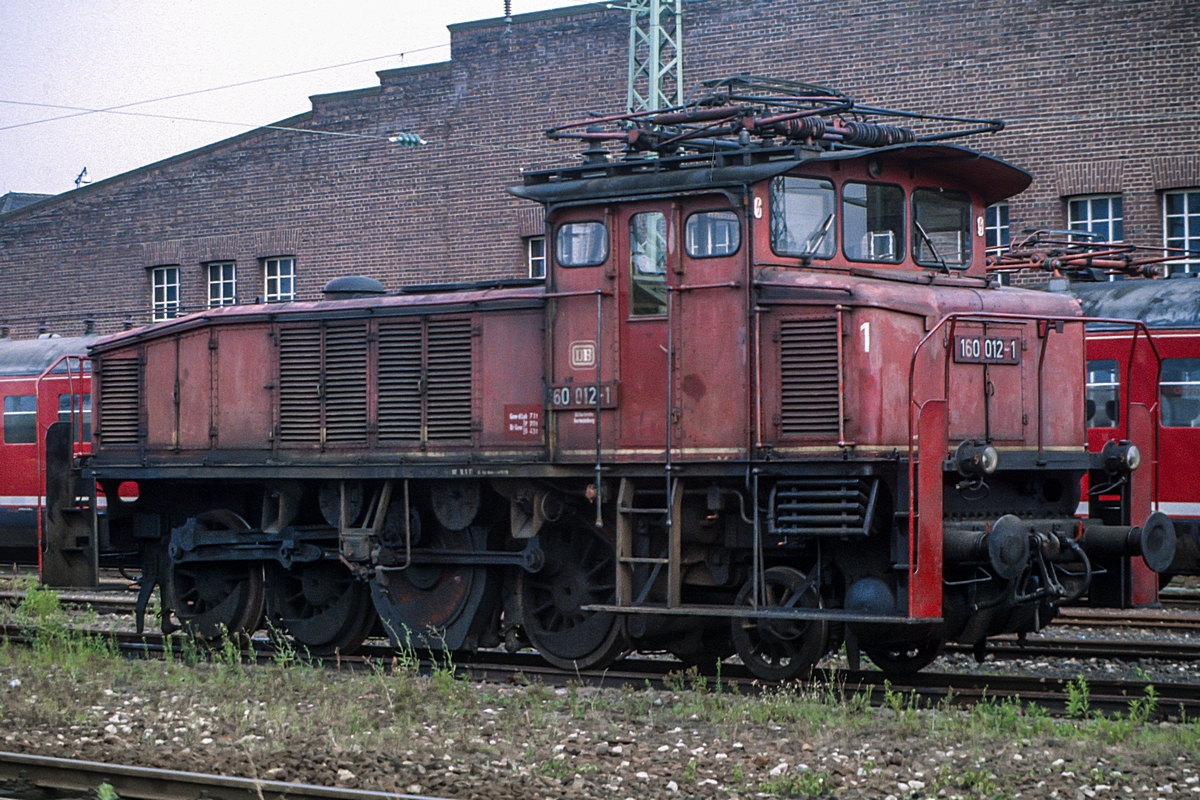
[448, 380]
[400, 381]
[823, 507]
[808, 367]
[300, 385]
[346, 384]
[120, 392]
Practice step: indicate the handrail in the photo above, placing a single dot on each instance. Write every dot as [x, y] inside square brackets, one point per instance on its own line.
[40, 444]
[951, 321]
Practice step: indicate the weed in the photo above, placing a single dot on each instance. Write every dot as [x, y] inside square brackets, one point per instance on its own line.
[737, 774]
[689, 772]
[802, 784]
[105, 791]
[1078, 699]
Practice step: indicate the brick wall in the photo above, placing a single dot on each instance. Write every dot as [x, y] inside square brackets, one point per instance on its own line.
[1098, 98]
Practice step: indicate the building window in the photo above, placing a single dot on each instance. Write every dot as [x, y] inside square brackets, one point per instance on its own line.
[280, 284]
[165, 286]
[996, 228]
[1181, 227]
[1100, 215]
[20, 419]
[535, 252]
[222, 284]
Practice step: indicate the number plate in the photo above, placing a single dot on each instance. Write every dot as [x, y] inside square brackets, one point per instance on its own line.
[987, 350]
[583, 395]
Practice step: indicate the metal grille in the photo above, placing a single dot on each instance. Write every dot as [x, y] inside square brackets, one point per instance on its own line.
[448, 380]
[400, 381]
[823, 507]
[346, 383]
[300, 385]
[808, 369]
[120, 393]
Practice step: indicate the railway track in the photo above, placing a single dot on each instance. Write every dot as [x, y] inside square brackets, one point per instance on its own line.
[64, 777]
[926, 688]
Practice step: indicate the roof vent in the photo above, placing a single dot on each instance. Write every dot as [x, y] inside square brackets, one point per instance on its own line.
[348, 287]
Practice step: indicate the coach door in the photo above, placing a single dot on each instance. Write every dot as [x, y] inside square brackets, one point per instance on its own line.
[646, 265]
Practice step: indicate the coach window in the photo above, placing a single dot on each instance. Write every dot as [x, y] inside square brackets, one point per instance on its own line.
[1100, 215]
[647, 264]
[803, 217]
[222, 284]
[1103, 394]
[83, 410]
[279, 284]
[941, 235]
[164, 287]
[581, 244]
[872, 222]
[20, 419]
[1181, 228]
[711, 234]
[1179, 392]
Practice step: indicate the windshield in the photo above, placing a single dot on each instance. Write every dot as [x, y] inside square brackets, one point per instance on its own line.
[941, 228]
[872, 222]
[802, 217]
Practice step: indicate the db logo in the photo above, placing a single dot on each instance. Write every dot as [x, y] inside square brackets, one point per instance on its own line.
[583, 355]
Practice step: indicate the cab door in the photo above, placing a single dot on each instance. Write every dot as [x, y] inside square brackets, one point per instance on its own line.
[647, 262]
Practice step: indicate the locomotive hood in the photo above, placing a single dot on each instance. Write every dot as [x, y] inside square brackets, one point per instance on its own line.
[636, 178]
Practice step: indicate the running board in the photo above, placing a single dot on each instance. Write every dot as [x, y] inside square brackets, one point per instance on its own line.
[829, 614]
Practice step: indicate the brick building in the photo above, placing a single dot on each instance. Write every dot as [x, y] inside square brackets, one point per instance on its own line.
[1100, 99]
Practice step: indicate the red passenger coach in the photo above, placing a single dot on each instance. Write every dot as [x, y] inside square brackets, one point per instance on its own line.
[766, 401]
[41, 381]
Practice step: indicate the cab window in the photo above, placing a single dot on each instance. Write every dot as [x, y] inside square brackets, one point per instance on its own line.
[1103, 394]
[581, 244]
[20, 419]
[647, 264]
[941, 234]
[710, 234]
[872, 222]
[1179, 392]
[802, 217]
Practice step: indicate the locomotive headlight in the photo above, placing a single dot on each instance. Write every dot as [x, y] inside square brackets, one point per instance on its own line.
[976, 458]
[1122, 456]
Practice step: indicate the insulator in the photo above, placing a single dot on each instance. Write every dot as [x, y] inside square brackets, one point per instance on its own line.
[803, 128]
[869, 134]
[407, 140]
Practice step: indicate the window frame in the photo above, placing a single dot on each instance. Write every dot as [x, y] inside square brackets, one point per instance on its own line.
[1191, 229]
[1166, 419]
[1091, 222]
[279, 296]
[221, 281]
[967, 235]
[163, 308]
[1000, 229]
[831, 235]
[558, 232]
[736, 227]
[900, 247]
[535, 264]
[27, 415]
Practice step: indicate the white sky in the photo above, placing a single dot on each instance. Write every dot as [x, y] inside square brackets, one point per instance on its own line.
[95, 54]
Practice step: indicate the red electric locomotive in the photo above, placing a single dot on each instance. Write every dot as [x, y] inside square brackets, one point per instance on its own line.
[42, 380]
[766, 401]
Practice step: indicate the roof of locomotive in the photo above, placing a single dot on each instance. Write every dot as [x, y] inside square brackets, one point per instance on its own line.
[1172, 303]
[31, 357]
[431, 298]
[641, 177]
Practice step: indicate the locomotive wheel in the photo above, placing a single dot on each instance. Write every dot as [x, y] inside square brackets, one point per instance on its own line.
[431, 605]
[213, 599]
[321, 605]
[580, 569]
[905, 659]
[780, 650]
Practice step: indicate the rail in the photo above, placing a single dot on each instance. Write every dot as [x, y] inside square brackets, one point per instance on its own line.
[928, 430]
